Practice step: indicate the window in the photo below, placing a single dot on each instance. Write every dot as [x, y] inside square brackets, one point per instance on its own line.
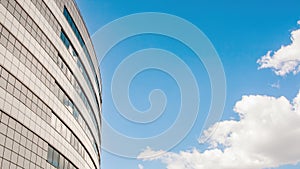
[65, 39]
[57, 160]
[79, 37]
[53, 157]
[50, 155]
[70, 48]
[73, 26]
[76, 113]
[67, 43]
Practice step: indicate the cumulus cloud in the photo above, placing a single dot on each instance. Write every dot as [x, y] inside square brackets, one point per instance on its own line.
[286, 59]
[266, 135]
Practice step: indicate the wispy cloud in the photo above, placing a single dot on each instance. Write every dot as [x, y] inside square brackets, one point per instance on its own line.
[275, 85]
[286, 59]
[267, 135]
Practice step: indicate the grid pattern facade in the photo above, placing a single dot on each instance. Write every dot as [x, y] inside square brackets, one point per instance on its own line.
[50, 87]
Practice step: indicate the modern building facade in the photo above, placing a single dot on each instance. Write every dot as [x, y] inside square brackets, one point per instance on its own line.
[50, 87]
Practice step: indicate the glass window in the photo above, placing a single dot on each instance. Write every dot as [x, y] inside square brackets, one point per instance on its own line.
[73, 26]
[50, 154]
[61, 95]
[64, 38]
[79, 37]
[66, 101]
[55, 161]
[75, 113]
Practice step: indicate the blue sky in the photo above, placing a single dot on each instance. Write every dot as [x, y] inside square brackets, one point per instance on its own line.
[241, 32]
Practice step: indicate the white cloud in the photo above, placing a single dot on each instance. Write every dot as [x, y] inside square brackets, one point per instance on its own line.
[148, 153]
[298, 22]
[141, 166]
[275, 85]
[286, 59]
[267, 135]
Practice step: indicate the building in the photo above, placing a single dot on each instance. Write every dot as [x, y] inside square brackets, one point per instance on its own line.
[50, 88]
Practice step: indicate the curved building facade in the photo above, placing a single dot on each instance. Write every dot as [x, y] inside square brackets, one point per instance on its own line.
[50, 87]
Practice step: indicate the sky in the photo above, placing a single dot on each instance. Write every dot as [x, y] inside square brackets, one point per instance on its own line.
[258, 45]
